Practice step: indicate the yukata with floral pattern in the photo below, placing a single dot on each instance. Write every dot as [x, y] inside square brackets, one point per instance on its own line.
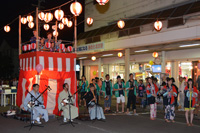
[169, 94]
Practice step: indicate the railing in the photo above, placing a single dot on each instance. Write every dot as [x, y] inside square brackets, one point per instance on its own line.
[50, 46]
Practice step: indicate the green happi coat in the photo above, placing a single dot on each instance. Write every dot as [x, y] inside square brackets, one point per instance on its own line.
[104, 87]
[86, 86]
[135, 87]
[116, 86]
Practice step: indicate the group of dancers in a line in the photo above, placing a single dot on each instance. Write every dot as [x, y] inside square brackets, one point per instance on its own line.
[90, 93]
[169, 91]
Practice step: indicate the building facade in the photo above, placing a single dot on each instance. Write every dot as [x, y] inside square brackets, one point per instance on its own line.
[177, 43]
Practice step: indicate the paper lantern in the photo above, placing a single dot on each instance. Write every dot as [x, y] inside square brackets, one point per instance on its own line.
[151, 62]
[55, 33]
[64, 50]
[33, 45]
[23, 20]
[198, 65]
[121, 24]
[59, 14]
[31, 25]
[48, 45]
[69, 48]
[102, 2]
[76, 8]
[24, 48]
[60, 26]
[62, 46]
[41, 15]
[120, 54]
[69, 24]
[6, 28]
[46, 26]
[158, 25]
[28, 47]
[93, 58]
[30, 18]
[89, 21]
[65, 21]
[155, 54]
[48, 17]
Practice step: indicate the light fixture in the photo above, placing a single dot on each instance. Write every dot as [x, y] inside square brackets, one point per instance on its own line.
[89, 21]
[55, 34]
[31, 25]
[23, 20]
[93, 58]
[121, 24]
[48, 17]
[6, 28]
[65, 21]
[69, 48]
[82, 58]
[62, 46]
[141, 51]
[158, 25]
[76, 8]
[69, 24]
[189, 45]
[120, 54]
[59, 14]
[155, 54]
[46, 26]
[102, 2]
[30, 18]
[41, 15]
[60, 26]
[107, 55]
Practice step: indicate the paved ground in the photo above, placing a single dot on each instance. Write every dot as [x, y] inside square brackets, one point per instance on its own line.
[115, 123]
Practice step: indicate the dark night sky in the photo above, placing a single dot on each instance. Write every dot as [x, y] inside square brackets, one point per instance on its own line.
[10, 9]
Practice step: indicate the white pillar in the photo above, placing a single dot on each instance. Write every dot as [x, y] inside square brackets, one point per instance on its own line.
[99, 68]
[127, 64]
[163, 64]
[175, 71]
[105, 70]
[81, 69]
[87, 72]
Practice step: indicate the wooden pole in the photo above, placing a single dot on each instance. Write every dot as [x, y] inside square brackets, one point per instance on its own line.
[20, 36]
[37, 30]
[56, 37]
[75, 33]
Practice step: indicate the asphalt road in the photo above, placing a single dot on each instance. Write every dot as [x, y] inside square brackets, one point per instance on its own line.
[114, 124]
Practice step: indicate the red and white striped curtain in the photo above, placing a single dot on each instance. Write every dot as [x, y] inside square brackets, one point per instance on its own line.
[58, 68]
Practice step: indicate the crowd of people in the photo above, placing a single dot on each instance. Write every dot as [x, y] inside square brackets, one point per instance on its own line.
[186, 97]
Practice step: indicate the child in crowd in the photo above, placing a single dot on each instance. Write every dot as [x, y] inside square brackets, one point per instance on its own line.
[141, 93]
